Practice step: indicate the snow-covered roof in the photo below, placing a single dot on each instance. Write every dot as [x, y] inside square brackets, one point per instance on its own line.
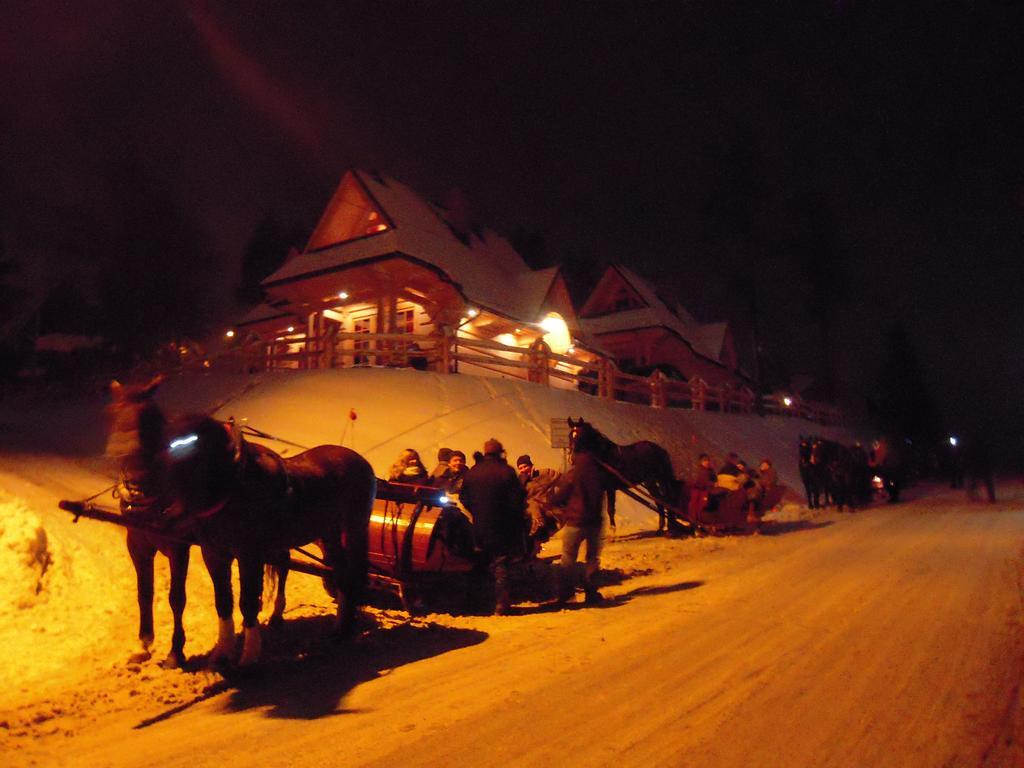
[485, 267]
[706, 339]
[262, 312]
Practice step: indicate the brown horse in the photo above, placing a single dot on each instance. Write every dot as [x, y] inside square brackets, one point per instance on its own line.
[244, 502]
[643, 463]
[135, 432]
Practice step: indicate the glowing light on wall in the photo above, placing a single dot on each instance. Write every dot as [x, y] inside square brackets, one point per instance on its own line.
[507, 339]
[556, 333]
[472, 312]
[291, 329]
[787, 401]
[343, 295]
[230, 334]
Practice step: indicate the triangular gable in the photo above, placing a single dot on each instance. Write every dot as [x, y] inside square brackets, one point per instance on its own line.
[351, 214]
[614, 292]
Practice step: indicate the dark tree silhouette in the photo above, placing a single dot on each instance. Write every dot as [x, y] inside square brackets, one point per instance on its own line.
[818, 252]
[157, 286]
[16, 330]
[266, 250]
[902, 402]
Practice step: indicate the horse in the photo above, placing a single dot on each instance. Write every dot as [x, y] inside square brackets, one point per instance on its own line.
[643, 463]
[838, 471]
[811, 473]
[244, 502]
[135, 426]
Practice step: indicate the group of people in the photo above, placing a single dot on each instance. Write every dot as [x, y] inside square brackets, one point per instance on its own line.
[514, 510]
[448, 474]
[710, 487]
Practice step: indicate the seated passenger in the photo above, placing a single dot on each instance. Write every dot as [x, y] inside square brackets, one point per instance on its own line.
[767, 477]
[539, 485]
[452, 480]
[729, 476]
[438, 473]
[408, 469]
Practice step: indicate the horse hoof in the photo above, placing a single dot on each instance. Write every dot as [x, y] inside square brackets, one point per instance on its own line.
[174, 660]
[275, 622]
[139, 657]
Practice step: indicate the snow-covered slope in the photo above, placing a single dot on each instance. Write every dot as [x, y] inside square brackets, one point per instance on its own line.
[397, 409]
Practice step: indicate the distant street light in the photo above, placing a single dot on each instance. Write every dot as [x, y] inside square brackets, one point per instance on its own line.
[953, 441]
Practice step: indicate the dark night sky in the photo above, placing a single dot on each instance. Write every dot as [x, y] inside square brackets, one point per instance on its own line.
[694, 141]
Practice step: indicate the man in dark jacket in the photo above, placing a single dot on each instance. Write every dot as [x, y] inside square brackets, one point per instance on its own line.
[439, 473]
[493, 495]
[581, 493]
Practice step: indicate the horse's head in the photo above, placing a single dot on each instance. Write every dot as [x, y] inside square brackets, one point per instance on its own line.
[581, 435]
[822, 451]
[805, 449]
[135, 423]
[202, 455]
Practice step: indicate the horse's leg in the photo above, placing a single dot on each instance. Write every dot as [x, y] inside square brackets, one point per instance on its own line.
[350, 567]
[218, 564]
[142, 555]
[250, 574]
[177, 556]
[279, 575]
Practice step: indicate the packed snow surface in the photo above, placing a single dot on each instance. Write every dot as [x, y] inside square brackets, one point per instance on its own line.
[890, 636]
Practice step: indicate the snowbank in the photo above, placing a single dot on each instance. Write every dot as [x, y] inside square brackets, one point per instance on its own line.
[396, 409]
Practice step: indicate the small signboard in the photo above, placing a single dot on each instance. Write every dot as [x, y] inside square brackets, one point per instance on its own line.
[559, 431]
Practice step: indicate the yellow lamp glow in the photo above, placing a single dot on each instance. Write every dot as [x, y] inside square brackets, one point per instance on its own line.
[556, 333]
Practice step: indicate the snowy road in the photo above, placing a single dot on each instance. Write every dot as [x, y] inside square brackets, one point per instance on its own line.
[891, 637]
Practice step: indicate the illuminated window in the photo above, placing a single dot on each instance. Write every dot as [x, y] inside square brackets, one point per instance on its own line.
[623, 299]
[405, 321]
[349, 215]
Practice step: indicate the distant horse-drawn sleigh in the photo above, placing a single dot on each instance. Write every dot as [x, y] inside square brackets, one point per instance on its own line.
[643, 471]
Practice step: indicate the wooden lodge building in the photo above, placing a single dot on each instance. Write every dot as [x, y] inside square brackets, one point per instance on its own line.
[628, 319]
[390, 279]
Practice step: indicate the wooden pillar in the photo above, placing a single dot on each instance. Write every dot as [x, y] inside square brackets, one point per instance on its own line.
[540, 357]
[447, 342]
[657, 385]
[606, 378]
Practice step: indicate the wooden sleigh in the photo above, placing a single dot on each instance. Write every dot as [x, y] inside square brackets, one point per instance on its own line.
[730, 511]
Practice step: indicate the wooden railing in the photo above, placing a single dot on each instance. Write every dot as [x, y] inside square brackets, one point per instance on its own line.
[537, 363]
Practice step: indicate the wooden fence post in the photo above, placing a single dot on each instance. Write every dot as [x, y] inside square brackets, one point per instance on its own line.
[539, 357]
[657, 384]
[698, 394]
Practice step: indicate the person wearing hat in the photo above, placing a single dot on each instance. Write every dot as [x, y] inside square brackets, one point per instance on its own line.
[457, 469]
[539, 484]
[496, 500]
[438, 473]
